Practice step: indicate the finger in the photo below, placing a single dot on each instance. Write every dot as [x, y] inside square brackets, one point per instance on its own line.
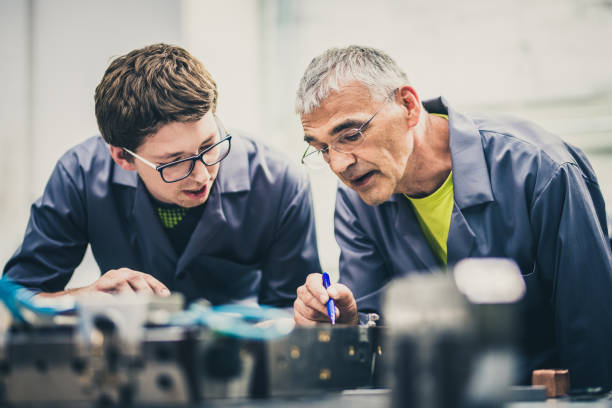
[301, 320]
[341, 294]
[107, 283]
[158, 287]
[139, 284]
[121, 273]
[345, 302]
[124, 287]
[314, 284]
[112, 279]
[307, 298]
[308, 312]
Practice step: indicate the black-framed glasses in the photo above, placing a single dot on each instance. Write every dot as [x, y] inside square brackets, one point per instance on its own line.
[346, 142]
[181, 169]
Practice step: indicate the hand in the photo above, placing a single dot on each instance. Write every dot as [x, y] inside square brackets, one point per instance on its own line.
[125, 280]
[310, 306]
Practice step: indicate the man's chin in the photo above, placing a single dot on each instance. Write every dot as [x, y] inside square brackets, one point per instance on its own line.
[374, 198]
[189, 202]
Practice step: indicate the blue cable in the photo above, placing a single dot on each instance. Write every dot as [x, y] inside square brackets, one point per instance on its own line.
[17, 297]
[232, 320]
[235, 320]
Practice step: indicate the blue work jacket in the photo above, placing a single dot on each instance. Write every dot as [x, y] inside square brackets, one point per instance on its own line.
[521, 193]
[256, 236]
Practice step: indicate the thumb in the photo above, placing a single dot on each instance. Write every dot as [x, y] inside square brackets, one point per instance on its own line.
[345, 302]
[341, 294]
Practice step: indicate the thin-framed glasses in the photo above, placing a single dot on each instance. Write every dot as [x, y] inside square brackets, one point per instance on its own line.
[346, 142]
[181, 169]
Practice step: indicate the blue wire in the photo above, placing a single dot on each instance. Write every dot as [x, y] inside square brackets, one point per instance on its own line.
[231, 320]
[16, 297]
[234, 320]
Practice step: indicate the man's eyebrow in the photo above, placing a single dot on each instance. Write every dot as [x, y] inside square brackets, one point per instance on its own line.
[209, 139]
[170, 156]
[309, 139]
[347, 124]
[167, 157]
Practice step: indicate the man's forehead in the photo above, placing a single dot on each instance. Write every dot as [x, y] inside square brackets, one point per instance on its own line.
[349, 103]
[348, 95]
[176, 138]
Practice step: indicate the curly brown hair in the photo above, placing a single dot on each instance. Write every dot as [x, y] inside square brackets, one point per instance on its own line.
[149, 87]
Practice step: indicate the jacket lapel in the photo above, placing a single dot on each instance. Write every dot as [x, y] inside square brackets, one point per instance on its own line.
[158, 253]
[410, 230]
[471, 181]
[460, 238]
[211, 231]
[208, 231]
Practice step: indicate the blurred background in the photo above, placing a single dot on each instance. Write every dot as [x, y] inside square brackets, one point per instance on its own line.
[546, 61]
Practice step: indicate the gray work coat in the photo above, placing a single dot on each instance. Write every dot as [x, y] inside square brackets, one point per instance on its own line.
[256, 236]
[519, 192]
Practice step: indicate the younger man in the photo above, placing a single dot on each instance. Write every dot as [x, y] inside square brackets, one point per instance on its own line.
[168, 199]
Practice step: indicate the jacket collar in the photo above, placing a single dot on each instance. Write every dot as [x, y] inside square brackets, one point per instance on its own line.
[471, 181]
[233, 173]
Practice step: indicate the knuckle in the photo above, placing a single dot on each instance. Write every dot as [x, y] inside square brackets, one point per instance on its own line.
[311, 314]
[312, 278]
[298, 305]
[299, 319]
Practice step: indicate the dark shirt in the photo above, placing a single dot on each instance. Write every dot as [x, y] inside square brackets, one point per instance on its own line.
[178, 222]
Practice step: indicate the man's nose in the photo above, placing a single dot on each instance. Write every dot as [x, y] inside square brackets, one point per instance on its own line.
[200, 172]
[339, 161]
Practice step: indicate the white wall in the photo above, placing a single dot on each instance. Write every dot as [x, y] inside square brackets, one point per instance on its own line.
[546, 60]
[55, 54]
[15, 115]
[543, 60]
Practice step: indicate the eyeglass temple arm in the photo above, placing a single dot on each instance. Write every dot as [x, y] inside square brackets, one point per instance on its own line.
[148, 163]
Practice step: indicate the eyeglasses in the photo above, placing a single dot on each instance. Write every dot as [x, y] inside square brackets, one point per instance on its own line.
[181, 169]
[346, 142]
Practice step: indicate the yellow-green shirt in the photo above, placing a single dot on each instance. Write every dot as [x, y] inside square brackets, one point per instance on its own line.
[434, 216]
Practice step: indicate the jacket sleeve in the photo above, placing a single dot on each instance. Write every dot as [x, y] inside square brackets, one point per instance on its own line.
[292, 254]
[55, 239]
[362, 267]
[573, 260]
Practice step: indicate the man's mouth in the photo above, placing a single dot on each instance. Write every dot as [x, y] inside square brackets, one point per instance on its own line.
[362, 181]
[196, 193]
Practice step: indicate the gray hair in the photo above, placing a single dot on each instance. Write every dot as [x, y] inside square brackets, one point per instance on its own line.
[338, 66]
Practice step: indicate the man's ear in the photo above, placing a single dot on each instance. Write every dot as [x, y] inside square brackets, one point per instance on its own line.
[120, 157]
[410, 100]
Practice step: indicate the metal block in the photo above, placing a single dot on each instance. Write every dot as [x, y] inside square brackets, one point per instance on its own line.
[323, 358]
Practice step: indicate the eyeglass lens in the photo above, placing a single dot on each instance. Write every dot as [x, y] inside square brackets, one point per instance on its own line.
[182, 169]
[315, 160]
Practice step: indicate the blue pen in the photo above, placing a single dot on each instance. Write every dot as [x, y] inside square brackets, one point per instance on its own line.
[331, 306]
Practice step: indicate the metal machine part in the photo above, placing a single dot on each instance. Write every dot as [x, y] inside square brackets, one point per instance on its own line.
[113, 357]
[323, 358]
[451, 335]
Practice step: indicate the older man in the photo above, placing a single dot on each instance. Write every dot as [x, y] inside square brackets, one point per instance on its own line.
[425, 186]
